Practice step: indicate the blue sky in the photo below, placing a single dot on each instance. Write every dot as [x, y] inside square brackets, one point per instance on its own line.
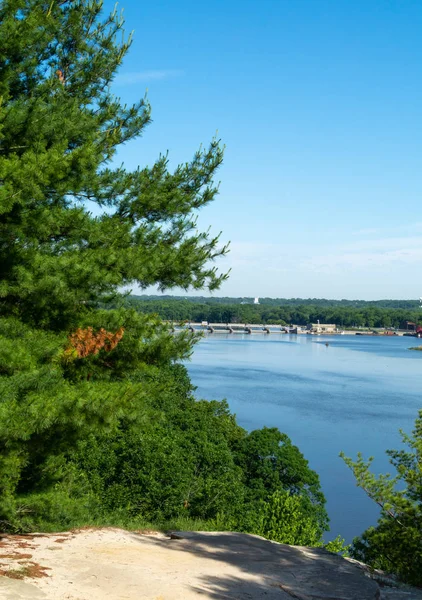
[319, 105]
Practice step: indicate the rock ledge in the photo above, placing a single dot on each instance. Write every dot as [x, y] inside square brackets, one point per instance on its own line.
[100, 564]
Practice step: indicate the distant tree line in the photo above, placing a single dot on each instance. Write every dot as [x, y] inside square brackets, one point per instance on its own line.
[367, 315]
[320, 302]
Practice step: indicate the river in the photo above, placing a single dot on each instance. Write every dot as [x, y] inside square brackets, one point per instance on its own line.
[352, 395]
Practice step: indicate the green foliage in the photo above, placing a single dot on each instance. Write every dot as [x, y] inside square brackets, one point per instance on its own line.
[178, 464]
[146, 341]
[230, 310]
[191, 460]
[286, 518]
[394, 545]
[268, 302]
[289, 519]
[111, 432]
[60, 127]
[119, 437]
[47, 407]
[272, 464]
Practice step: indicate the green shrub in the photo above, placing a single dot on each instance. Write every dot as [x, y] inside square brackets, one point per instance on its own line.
[395, 544]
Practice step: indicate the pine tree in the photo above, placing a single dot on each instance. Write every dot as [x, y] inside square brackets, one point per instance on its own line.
[60, 129]
[96, 420]
[69, 370]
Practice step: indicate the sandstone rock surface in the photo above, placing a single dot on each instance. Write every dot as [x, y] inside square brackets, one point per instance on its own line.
[118, 565]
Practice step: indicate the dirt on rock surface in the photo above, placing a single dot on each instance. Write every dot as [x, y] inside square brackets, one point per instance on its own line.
[113, 564]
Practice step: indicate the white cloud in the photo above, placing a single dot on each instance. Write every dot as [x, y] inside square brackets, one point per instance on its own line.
[405, 228]
[262, 256]
[301, 257]
[369, 268]
[133, 77]
[343, 263]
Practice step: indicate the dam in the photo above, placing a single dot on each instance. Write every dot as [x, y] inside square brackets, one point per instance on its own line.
[248, 328]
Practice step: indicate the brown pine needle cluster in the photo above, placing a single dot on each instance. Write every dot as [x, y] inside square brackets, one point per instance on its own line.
[60, 75]
[86, 342]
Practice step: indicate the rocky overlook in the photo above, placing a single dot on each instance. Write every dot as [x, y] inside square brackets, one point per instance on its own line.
[97, 564]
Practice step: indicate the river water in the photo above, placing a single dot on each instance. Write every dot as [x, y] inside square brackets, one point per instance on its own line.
[352, 395]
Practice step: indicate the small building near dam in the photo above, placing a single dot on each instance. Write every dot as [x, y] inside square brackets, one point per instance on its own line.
[321, 328]
[408, 326]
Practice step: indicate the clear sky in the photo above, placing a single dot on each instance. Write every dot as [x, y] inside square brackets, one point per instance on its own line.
[319, 105]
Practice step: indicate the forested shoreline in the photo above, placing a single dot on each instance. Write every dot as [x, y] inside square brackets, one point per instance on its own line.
[283, 312]
[386, 303]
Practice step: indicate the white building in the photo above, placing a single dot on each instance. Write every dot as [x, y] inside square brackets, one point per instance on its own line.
[321, 327]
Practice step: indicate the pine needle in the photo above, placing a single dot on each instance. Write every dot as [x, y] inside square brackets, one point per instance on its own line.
[51, 8]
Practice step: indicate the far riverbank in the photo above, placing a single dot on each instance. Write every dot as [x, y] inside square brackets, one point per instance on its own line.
[275, 328]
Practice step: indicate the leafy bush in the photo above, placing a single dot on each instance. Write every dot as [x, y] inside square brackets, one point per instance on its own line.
[191, 460]
[395, 544]
[113, 433]
[286, 519]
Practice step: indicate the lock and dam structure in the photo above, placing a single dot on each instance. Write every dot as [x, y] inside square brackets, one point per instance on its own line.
[248, 328]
